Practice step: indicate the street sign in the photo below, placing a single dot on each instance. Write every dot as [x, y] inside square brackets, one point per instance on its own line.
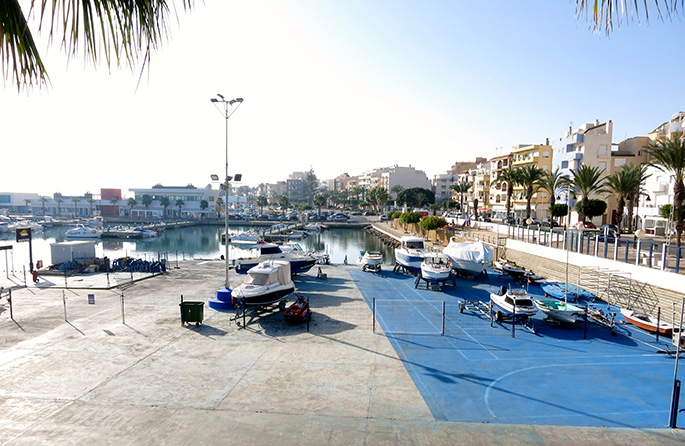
[23, 234]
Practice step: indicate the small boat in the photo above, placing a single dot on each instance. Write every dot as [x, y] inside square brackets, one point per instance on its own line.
[410, 253]
[560, 291]
[146, 232]
[559, 310]
[299, 263]
[321, 257]
[82, 231]
[469, 257]
[512, 303]
[436, 267]
[647, 322]
[370, 260]
[265, 284]
[243, 239]
[518, 273]
[315, 227]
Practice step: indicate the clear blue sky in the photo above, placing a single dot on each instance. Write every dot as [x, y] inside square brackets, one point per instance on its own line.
[337, 86]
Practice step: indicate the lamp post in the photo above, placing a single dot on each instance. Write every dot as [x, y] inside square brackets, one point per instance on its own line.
[229, 107]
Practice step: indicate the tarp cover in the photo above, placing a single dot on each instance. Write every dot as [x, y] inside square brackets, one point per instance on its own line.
[477, 252]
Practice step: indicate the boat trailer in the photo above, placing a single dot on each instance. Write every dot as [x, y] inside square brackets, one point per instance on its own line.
[600, 317]
[398, 268]
[431, 285]
[494, 315]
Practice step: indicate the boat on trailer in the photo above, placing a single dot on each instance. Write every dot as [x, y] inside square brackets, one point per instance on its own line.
[436, 267]
[410, 254]
[647, 322]
[370, 260]
[513, 303]
[560, 310]
[265, 284]
[469, 258]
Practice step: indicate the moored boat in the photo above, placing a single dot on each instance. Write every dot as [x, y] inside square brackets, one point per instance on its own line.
[566, 291]
[469, 257]
[266, 283]
[410, 253]
[82, 231]
[299, 263]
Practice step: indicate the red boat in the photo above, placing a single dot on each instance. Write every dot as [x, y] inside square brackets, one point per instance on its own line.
[299, 311]
[647, 322]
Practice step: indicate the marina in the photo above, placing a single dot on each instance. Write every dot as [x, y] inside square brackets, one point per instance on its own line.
[392, 363]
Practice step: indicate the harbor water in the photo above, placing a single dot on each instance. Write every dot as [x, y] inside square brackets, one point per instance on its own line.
[194, 242]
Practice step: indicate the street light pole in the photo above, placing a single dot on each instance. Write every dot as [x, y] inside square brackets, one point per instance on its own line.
[230, 106]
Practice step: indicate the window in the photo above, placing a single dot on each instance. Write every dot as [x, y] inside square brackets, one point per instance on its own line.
[602, 165]
[545, 153]
[603, 150]
[619, 162]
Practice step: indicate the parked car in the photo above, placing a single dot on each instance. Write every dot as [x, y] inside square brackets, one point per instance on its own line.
[608, 232]
[484, 218]
[383, 217]
[549, 222]
[508, 220]
[533, 221]
[585, 225]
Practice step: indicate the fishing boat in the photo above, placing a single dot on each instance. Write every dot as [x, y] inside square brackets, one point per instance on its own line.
[647, 322]
[267, 283]
[469, 257]
[299, 263]
[370, 260]
[560, 310]
[82, 231]
[410, 253]
[512, 303]
[566, 291]
[436, 267]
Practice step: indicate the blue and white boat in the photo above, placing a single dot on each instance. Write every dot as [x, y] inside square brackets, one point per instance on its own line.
[411, 252]
[512, 303]
[566, 291]
[299, 263]
[436, 267]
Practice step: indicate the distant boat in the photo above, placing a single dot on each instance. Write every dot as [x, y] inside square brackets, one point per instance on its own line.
[299, 263]
[146, 233]
[410, 253]
[82, 231]
[243, 239]
[469, 257]
[647, 322]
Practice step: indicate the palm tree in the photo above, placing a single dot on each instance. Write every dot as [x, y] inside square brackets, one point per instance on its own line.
[262, 202]
[75, 200]
[91, 200]
[219, 205]
[624, 185]
[59, 201]
[131, 204]
[587, 180]
[284, 203]
[28, 203]
[529, 178]
[43, 200]
[461, 188]
[204, 204]
[605, 11]
[640, 173]
[512, 177]
[109, 31]
[179, 205]
[147, 201]
[551, 182]
[668, 155]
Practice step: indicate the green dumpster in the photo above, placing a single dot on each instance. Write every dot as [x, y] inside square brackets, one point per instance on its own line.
[192, 312]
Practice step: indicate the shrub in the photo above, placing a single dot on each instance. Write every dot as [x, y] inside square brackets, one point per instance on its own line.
[431, 222]
[410, 217]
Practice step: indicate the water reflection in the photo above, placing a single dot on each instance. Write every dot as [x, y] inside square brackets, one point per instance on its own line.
[192, 242]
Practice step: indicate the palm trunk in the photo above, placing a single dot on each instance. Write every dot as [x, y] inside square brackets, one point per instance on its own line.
[619, 212]
[630, 206]
[678, 192]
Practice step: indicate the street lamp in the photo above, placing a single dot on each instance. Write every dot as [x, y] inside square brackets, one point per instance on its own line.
[229, 107]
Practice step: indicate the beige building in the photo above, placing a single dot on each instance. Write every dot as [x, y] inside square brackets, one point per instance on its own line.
[498, 188]
[539, 155]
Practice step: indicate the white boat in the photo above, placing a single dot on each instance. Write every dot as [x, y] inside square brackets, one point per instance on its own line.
[436, 267]
[512, 303]
[559, 310]
[321, 257]
[265, 284]
[410, 253]
[370, 260]
[268, 251]
[315, 227]
[469, 257]
[23, 224]
[243, 239]
[647, 322]
[82, 231]
[147, 233]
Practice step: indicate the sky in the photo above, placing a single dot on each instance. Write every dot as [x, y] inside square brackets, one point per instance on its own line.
[337, 87]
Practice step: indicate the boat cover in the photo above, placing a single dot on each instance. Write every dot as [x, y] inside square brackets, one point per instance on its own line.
[476, 252]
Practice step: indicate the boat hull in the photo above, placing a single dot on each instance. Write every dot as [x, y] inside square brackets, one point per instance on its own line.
[258, 296]
[563, 312]
[647, 322]
[468, 267]
[500, 304]
[433, 276]
[299, 265]
[411, 262]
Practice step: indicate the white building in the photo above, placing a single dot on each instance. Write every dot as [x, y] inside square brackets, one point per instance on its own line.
[407, 177]
[191, 197]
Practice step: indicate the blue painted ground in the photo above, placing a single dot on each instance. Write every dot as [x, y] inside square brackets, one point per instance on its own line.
[477, 372]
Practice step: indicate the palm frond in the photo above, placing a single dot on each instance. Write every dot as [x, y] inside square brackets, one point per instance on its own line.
[113, 30]
[603, 14]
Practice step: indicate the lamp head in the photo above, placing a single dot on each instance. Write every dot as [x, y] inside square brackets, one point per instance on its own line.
[214, 177]
[214, 100]
[239, 99]
[220, 95]
[238, 177]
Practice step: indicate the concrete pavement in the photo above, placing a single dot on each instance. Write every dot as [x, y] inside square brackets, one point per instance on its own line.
[107, 376]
